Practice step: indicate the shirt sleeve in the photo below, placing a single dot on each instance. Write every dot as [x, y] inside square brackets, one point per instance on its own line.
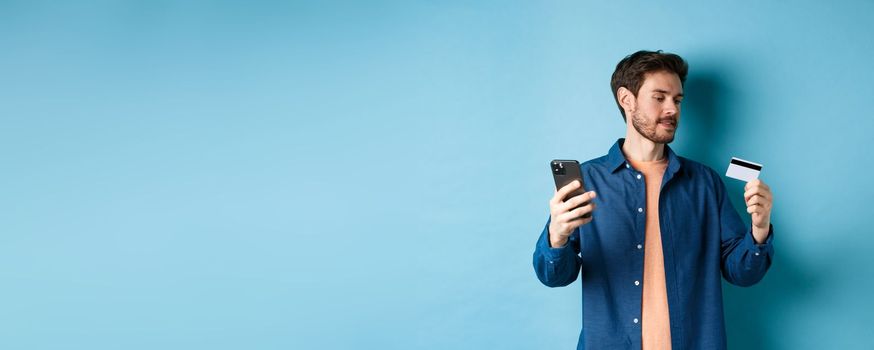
[744, 262]
[557, 267]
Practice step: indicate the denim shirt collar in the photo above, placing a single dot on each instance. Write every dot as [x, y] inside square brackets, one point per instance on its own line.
[616, 159]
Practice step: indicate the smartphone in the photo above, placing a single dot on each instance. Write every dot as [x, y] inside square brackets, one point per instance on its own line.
[565, 172]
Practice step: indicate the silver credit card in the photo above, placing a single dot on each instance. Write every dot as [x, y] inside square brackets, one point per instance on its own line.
[743, 170]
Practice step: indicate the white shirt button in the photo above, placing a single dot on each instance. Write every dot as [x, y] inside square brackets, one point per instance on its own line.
[627, 166]
[638, 176]
[757, 253]
[640, 246]
[636, 283]
[636, 320]
[640, 210]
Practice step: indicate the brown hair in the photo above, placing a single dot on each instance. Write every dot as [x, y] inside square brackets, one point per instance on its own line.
[631, 71]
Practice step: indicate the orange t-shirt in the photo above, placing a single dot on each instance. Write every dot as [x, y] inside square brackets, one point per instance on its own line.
[655, 320]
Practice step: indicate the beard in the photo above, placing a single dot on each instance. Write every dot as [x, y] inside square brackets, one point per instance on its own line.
[649, 128]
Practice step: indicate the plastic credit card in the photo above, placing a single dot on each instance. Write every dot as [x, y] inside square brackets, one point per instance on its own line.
[743, 170]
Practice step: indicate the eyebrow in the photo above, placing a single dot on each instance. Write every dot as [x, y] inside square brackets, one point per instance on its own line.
[666, 92]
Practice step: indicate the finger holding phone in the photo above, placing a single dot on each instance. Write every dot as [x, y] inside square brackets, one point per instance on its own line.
[570, 207]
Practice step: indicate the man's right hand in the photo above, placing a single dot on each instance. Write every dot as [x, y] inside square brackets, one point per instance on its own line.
[564, 219]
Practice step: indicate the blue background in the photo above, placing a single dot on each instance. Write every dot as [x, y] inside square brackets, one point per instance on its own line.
[228, 175]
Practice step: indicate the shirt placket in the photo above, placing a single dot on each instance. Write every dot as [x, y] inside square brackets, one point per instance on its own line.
[638, 211]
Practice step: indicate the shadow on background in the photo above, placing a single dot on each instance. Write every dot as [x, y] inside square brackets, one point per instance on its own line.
[752, 312]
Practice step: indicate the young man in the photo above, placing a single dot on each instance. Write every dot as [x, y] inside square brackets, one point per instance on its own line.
[662, 234]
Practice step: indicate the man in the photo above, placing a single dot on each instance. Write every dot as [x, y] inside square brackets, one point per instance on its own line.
[662, 233]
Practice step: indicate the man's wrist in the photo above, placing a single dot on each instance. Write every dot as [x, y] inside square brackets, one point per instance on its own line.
[557, 242]
[760, 234]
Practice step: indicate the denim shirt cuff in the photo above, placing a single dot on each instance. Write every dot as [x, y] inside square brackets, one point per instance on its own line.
[553, 254]
[764, 249]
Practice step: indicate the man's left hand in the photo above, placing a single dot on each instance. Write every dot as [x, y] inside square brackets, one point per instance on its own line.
[759, 199]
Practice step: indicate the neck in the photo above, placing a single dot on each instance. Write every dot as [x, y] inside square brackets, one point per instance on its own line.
[639, 148]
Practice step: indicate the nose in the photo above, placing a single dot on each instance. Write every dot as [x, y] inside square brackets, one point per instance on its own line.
[672, 110]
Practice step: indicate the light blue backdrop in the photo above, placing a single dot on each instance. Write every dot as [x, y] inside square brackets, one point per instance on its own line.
[373, 174]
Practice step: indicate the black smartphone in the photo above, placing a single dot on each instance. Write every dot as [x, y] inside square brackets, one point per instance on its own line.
[565, 172]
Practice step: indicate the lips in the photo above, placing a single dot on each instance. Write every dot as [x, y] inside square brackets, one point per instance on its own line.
[668, 123]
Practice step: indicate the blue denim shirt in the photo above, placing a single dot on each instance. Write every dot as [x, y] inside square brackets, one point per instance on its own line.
[703, 239]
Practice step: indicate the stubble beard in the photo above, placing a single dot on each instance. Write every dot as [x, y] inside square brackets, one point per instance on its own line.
[649, 130]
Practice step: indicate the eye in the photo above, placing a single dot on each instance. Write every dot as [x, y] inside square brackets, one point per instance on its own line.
[678, 102]
[660, 98]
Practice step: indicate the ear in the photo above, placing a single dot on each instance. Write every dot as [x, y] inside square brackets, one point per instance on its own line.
[626, 99]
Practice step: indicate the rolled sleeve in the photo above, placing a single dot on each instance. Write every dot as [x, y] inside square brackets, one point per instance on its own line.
[747, 262]
[760, 250]
[557, 267]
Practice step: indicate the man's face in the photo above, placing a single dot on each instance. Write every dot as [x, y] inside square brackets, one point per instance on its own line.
[657, 113]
